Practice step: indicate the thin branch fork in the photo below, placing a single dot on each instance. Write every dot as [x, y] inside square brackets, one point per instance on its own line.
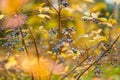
[79, 64]
[74, 69]
[79, 76]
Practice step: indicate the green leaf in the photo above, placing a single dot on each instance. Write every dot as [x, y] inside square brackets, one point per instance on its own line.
[55, 77]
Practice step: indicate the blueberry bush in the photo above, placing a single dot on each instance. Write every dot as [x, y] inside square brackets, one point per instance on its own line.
[59, 40]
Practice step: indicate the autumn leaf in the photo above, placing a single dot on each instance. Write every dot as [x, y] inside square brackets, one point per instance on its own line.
[1, 16]
[44, 16]
[91, 1]
[112, 21]
[11, 63]
[98, 7]
[102, 19]
[8, 6]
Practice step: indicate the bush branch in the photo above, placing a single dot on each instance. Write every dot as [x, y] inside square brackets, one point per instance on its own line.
[79, 76]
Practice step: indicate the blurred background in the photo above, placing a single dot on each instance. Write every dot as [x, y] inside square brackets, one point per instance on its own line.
[94, 25]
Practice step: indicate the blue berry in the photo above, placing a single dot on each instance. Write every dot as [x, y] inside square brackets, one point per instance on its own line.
[69, 40]
[55, 50]
[65, 3]
[21, 49]
[74, 50]
[25, 34]
[60, 41]
[8, 44]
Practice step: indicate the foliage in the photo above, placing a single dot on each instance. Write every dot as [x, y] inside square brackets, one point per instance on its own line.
[59, 40]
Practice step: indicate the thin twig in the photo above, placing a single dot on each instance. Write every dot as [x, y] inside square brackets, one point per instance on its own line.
[34, 41]
[2, 33]
[53, 6]
[32, 77]
[98, 58]
[23, 41]
[36, 47]
[79, 64]
[51, 72]
[5, 38]
[73, 69]
[59, 18]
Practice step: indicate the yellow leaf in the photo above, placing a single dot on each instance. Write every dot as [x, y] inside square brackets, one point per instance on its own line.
[118, 29]
[87, 13]
[34, 20]
[107, 14]
[9, 30]
[66, 68]
[97, 51]
[1, 16]
[91, 1]
[64, 55]
[112, 21]
[64, 48]
[41, 5]
[44, 32]
[82, 41]
[67, 12]
[98, 7]
[12, 62]
[102, 19]
[45, 9]
[44, 16]
[95, 15]
[49, 52]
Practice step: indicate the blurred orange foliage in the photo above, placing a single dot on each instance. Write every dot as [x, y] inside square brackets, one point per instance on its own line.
[9, 6]
[39, 69]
